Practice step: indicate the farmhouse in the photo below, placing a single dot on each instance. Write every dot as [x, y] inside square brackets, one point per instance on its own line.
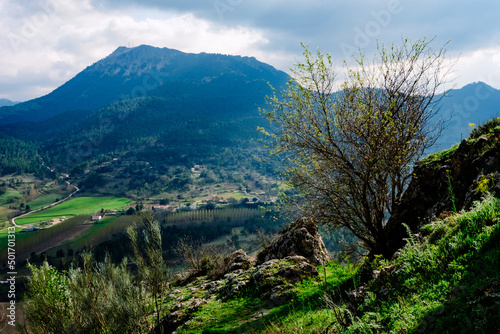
[167, 208]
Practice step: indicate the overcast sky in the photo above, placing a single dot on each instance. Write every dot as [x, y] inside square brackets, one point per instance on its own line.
[45, 43]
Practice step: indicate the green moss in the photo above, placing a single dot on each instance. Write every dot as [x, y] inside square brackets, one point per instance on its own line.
[440, 156]
[489, 128]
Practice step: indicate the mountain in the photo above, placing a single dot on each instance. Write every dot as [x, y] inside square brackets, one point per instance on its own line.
[149, 71]
[7, 103]
[472, 104]
[141, 118]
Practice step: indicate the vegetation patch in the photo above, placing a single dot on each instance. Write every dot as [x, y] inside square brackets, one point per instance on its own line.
[76, 206]
[440, 156]
[45, 200]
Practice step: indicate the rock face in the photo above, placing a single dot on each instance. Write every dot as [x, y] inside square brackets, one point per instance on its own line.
[300, 238]
[471, 169]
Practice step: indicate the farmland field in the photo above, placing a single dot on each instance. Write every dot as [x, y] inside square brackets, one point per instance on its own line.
[44, 239]
[19, 236]
[101, 231]
[76, 206]
[4, 217]
[45, 200]
[9, 196]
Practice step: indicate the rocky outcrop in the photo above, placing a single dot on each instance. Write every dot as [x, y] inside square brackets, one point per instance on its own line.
[471, 169]
[300, 238]
[178, 315]
[262, 279]
[289, 259]
[238, 260]
[272, 281]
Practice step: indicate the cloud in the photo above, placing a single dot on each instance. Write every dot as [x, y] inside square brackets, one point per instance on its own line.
[479, 65]
[329, 23]
[44, 43]
[53, 42]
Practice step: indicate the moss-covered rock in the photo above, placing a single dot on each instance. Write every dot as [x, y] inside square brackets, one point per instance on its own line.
[299, 238]
[447, 182]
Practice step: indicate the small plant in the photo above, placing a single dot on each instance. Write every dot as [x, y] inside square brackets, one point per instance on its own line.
[148, 256]
[485, 129]
[450, 191]
[47, 310]
[201, 257]
[482, 184]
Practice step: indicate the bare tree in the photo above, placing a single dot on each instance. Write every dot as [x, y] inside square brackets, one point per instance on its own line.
[350, 146]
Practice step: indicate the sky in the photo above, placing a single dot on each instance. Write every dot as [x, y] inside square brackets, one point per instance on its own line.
[44, 43]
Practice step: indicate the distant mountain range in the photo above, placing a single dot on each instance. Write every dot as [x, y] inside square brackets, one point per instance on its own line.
[148, 71]
[7, 103]
[159, 107]
[148, 106]
[467, 107]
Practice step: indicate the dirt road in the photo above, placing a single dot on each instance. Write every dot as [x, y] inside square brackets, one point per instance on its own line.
[13, 220]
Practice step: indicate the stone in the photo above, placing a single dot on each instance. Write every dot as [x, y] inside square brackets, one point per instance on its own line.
[301, 238]
[238, 260]
[279, 299]
[428, 194]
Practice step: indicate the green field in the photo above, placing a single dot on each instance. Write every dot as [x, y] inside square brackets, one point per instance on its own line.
[76, 206]
[19, 236]
[45, 200]
[102, 231]
[9, 196]
[4, 216]
[3, 233]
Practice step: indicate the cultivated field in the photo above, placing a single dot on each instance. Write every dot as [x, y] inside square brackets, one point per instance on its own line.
[76, 206]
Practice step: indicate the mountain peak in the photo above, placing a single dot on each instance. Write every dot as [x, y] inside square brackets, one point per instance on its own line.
[152, 71]
[142, 49]
[476, 84]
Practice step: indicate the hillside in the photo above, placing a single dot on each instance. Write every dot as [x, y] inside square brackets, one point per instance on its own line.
[6, 103]
[444, 278]
[189, 79]
[473, 104]
[137, 121]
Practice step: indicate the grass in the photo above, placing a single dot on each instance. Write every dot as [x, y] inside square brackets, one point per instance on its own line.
[306, 312]
[448, 282]
[3, 233]
[489, 128]
[101, 231]
[441, 155]
[76, 206]
[45, 200]
[9, 196]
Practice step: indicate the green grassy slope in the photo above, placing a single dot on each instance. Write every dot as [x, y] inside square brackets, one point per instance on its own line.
[446, 282]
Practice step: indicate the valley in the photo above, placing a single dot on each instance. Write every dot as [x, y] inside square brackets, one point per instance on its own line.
[157, 135]
[187, 142]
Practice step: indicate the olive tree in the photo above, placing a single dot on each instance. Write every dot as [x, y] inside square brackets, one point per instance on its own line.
[350, 145]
